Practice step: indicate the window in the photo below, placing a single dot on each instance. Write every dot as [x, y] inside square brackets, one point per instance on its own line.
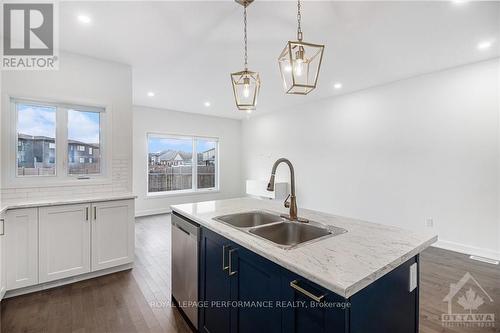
[84, 130]
[36, 135]
[181, 164]
[57, 140]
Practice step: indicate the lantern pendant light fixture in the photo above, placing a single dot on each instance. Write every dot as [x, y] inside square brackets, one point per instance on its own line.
[246, 84]
[300, 63]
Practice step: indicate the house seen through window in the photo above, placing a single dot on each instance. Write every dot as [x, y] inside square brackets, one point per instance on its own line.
[36, 140]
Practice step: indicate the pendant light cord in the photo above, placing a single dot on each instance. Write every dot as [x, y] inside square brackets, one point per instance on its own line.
[246, 42]
[299, 18]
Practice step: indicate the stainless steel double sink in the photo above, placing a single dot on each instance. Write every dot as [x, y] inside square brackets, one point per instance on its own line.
[278, 230]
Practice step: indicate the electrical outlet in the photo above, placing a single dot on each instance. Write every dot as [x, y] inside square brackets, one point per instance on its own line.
[429, 223]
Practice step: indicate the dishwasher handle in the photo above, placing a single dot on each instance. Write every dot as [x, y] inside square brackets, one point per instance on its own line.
[185, 226]
[182, 229]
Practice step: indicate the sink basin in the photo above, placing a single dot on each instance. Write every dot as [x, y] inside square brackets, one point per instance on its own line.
[291, 234]
[249, 219]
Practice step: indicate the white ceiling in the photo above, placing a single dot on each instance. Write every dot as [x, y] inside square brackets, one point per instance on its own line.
[184, 50]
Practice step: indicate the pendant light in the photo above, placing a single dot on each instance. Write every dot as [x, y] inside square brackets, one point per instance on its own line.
[300, 63]
[246, 84]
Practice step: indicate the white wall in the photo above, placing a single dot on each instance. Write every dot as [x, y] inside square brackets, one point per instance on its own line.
[426, 147]
[80, 80]
[149, 120]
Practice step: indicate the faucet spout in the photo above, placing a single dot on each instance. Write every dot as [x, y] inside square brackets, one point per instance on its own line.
[292, 204]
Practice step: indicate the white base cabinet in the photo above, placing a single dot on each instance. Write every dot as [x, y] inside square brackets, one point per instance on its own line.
[112, 234]
[21, 246]
[64, 241]
[51, 243]
[3, 276]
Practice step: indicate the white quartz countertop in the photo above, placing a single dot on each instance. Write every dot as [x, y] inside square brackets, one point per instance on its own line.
[64, 201]
[344, 264]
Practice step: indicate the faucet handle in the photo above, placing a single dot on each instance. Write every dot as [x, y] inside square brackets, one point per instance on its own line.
[287, 203]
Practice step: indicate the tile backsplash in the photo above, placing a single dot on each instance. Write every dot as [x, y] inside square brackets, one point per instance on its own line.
[121, 183]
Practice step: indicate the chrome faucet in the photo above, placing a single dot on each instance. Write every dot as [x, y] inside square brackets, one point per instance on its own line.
[292, 204]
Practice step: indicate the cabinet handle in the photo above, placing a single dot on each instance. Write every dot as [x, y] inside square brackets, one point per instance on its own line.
[231, 272]
[95, 213]
[295, 285]
[224, 266]
[3, 227]
[86, 213]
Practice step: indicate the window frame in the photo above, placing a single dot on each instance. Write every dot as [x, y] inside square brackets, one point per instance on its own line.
[194, 165]
[61, 176]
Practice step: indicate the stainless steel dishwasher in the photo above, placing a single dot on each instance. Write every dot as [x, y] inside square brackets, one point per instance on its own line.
[185, 242]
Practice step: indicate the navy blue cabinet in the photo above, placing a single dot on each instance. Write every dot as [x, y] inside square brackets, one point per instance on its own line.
[243, 292]
[255, 285]
[214, 284]
[239, 288]
[387, 305]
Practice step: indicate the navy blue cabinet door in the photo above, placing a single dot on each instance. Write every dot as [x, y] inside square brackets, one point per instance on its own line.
[214, 283]
[255, 285]
[312, 308]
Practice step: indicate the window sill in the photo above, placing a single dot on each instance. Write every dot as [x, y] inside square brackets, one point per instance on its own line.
[49, 181]
[159, 195]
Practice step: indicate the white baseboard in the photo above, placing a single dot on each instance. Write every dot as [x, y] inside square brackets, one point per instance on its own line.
[148, 212]
[62, 282]
[467, 249]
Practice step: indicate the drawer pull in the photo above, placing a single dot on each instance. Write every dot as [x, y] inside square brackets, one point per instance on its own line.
[231, 272]
[3, 227]
[224, 266]
[295, 285]
[86, 213]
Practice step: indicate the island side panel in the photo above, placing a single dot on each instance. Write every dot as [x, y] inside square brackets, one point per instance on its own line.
[387, 305]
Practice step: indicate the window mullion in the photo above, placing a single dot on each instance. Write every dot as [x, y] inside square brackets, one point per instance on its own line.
[195, 168]
[61, 141]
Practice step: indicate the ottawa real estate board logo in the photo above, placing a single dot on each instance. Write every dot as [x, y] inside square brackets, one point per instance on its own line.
[29, 36]
[465, 299]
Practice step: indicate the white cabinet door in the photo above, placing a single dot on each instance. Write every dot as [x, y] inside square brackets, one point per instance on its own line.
[64, 241]
[21, 247]
[112, 233]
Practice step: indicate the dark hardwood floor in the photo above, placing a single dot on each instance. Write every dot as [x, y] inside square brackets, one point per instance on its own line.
[138, 300]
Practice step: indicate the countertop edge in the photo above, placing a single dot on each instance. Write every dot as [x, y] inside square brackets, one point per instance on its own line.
[345, 292]
[58, 202]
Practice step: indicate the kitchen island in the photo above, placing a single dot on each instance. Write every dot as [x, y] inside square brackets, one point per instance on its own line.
[363, 280]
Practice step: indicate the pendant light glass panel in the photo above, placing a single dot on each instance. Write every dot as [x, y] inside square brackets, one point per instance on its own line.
[246, 86]
[300, 64]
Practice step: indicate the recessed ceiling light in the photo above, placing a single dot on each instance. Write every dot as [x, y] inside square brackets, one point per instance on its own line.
[459, 2]
[484, 45]
[84, 18]
[337, 85]
[151, 94]
[207, 104]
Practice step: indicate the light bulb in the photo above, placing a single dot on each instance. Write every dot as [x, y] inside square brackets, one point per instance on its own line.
[298, 67]
[288, 68]
[246, 90]
[246, 87]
